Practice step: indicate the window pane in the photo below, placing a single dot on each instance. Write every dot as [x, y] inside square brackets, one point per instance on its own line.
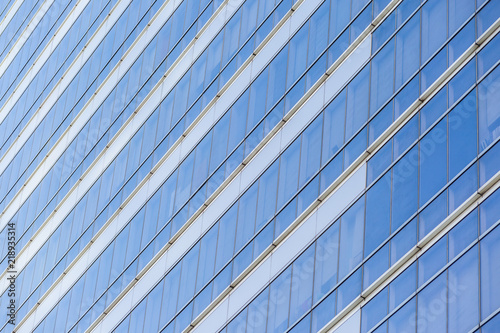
[463, 297]
[310, 151]
[432, 306]
[351, 238]
[402, 286]
[325, 267]
[407, 59]
[490, 273]
[302, 284]
[432, 261]
[382, 79]
[333, 131]
[404, 319]
[404, 188]
[489, 113]
[279, 302]
[357, 103]
[378, 205]
[433, 27]
[433, 162]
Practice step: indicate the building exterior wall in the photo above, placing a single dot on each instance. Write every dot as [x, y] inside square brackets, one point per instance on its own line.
[250, 166]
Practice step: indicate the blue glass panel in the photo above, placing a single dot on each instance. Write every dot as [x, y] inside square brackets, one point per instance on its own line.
[289, 169]
[382, 77]
[374, 311]
[463, 298]
[462, 234]
[432, 261]
[333, 131]
[433, 27]
[489, 114]
[325, 267]
[256, 319]
[402, 286]
[404, 188]
[407, 57]
[302, 284]
[324, 312]
[432, 215]
[378, 205]
[375, 266]
[432, 306]
[349, 290]
[433, 69]
[490, 273]
[351, 236]
[357, 103]
[403, 241]
[489, 212]
[404, 319]
[433, 162]
[463, 188]
[279, 300]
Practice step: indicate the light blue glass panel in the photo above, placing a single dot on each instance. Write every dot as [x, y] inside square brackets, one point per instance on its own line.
[302, 284]
[325, 267]
[378, 213]
[433, 27]
[374, 310]
[324, 312]
[432, 261]
[433, 162]
[463, 296]
[279, 303]
[407, 50]
[402, 286]
[310, 151]
[333, 130]
[490, 273]
[382, 77]
[404, 188]
[404, 319]
[357, 103]
[489, 114]
[289, 169]
[432, 306]
[256, 318]
[351, 238]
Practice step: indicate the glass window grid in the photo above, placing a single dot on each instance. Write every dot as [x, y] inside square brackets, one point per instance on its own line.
[451, 181]
[450, 260]
[16, 70]
[13, 179]
[34, 46]
[21, 18]
[50, 79]
[358, 268]
[39, 131]
[61, 127]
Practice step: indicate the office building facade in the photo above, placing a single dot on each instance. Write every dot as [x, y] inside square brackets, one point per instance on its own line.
[250, 166]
